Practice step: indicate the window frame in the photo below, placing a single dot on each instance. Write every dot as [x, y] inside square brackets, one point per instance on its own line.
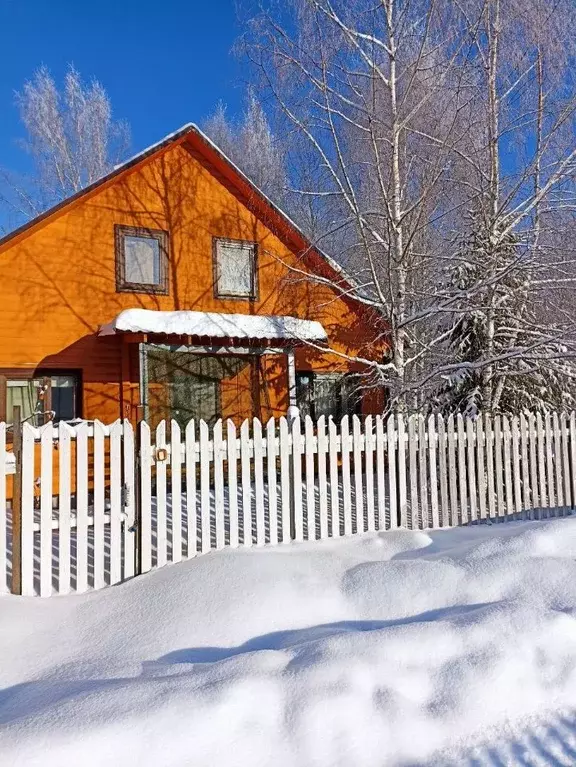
[254, 287]
[20, 374]
[161, 236]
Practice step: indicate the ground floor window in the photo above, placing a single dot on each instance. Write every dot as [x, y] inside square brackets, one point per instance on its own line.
[182, 385]
[328, 394]
[41, 396]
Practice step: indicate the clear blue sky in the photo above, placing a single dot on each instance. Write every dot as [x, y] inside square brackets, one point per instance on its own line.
[162, 63]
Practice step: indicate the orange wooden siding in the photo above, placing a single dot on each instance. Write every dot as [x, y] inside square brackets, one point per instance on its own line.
[59, 283]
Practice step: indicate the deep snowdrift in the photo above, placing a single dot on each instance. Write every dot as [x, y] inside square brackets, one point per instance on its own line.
[403, 648]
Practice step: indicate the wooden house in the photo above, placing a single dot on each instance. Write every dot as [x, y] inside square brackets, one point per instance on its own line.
[173, 287]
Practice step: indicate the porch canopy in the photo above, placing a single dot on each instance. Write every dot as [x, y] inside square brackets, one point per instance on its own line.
[288, 331]
[195, 364]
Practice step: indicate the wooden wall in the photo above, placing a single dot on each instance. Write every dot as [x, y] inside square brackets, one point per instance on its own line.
[58, 279]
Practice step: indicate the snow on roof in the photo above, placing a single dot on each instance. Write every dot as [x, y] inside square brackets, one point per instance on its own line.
[215, 325]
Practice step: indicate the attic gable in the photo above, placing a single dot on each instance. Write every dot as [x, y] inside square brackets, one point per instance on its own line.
[203, 150]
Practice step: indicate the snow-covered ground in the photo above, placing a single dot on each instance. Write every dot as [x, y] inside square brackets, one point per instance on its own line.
[455, 647]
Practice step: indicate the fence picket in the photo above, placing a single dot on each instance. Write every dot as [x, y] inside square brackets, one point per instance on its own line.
[297, 450]
[462, 484]
[205, 515]
[191, 490]
[391, 445]
[516, 479]
[218, 448]
[310, 482]
[525, 466]
[499, 468]
[558, 465]
[490, 484]
[271, 477]
[99, 506]
[358, 485]
[145, 521]
[334, 481]
[443, 469]
[452, 472]
[413, 450]
[176, 490]
[65, 433]
[369, 463]
[471, 467]
[45, 559]
[161, 500]
[346, 486]
[481, 467]
[534, 488]
[565, 461]
[542, 484]
[423, 452]
[402, 490]
[27, 520]
[259, 483]
[381, 474]
[128, 455]
[506, 439]
[246, 484]
[116, 502]
[232, 459]
[285, 490]
[433, 471]
[82, 507]
[322, 483]
[550, 464]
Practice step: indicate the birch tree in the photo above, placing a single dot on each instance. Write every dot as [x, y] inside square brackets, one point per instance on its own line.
[379, 93]
[523, 161]
[250, 143]
[432, 119]
[70, 136]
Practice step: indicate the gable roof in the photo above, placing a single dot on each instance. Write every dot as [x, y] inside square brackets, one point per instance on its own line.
[208, 154]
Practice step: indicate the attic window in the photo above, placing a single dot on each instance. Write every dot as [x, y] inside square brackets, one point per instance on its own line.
[235, 269]
[141, 260]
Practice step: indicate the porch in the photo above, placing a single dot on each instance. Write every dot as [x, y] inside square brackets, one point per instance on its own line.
[210, 366]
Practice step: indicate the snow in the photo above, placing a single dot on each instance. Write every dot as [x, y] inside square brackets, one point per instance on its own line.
[401, 648]
[215, 325]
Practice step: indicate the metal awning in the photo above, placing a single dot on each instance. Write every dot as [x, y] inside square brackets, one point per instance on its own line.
[238, 327]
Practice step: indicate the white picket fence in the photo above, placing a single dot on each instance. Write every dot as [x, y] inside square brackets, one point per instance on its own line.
[101, 504]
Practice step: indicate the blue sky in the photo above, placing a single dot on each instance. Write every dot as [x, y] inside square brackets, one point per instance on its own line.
[163, 64]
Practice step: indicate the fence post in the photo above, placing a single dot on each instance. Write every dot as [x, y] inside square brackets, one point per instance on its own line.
[17, 502]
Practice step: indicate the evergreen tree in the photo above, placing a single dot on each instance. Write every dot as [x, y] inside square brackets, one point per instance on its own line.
[510, 358]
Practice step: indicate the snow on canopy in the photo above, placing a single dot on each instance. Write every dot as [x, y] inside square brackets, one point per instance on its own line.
[215, 325]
